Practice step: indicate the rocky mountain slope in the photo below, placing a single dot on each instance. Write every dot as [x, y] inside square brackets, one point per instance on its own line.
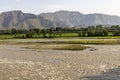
[20, 20]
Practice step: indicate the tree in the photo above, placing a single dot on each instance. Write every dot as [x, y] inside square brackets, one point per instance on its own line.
[115, 30]
[51, 32]
[37, 30]
[80, 34]
[59, 31]
[14, 31]
[105, 32]
[44, 32]
[31, 34]
[90, 33]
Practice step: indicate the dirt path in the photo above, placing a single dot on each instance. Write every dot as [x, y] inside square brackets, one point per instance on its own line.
[17, 63]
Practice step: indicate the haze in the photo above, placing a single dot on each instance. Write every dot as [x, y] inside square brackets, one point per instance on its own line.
[110, 7]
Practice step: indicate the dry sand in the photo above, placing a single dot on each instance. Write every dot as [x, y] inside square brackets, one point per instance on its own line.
[18, 63]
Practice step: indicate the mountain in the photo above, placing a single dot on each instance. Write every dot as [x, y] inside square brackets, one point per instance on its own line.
[101, 19]
[73, 18]
[64, 18]
[18, 19]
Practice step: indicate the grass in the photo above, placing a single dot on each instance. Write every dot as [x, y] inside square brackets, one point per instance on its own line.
[64, 35]
[6, 37]
[65, 44]
[69, 35]
[82, 41]
[72, 47]
[101, 37]
[63, 41]
[94, 41]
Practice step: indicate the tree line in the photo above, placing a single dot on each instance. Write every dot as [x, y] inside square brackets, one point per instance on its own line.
[98, 30]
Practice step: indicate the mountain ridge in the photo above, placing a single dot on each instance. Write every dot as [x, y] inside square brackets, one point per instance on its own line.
[20, 20]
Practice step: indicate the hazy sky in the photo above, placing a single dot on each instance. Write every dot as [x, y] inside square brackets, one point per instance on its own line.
[111, 7]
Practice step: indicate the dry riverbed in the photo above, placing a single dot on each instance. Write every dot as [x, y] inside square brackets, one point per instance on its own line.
[99, 62]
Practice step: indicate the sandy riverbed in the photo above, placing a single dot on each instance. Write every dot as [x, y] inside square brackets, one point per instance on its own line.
[18, 63]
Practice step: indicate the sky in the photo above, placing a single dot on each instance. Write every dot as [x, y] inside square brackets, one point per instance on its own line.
[111, 7]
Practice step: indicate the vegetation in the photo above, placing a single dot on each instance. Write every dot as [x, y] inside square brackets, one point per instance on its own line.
[63, 41]
[58, 32]
[75, 47]
[72, 47]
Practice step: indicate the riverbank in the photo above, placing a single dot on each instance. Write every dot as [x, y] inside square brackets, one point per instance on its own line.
[20, 63]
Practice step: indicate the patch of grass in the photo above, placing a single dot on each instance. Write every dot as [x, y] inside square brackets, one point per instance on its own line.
[69, 35]
[6, 37]
[98, 41]
[72, 47]
[101, 37]
[66, 41]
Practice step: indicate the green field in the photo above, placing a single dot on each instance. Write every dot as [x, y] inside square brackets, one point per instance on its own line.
[6, 37]
[63, 35]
